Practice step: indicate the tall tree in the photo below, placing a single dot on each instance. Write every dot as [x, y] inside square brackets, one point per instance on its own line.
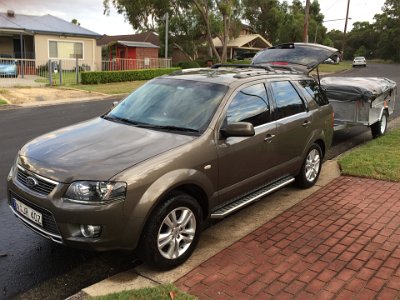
[265, 17]
[75, 21]
[148, 13]
[388, 27]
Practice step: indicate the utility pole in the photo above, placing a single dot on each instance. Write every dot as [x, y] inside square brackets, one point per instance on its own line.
[166, 35]
[345, 28]
[306, 20]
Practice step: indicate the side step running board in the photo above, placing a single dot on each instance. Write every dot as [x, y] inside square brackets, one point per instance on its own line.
[246, 200]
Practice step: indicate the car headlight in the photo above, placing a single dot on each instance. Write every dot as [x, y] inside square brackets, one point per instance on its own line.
[95, 192]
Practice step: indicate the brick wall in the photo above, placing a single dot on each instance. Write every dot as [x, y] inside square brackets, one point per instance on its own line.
[142, 53]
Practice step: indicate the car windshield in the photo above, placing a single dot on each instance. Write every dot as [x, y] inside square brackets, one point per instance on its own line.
[170, 104]
[359, 58]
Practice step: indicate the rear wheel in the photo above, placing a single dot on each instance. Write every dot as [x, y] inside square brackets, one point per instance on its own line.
[172, 232]
[311, 167]
[379, 128]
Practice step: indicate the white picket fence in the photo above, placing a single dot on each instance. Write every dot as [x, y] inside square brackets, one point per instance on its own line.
[67, 72]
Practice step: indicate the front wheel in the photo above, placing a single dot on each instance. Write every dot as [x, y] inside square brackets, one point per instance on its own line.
[172, 232]
[379, 128]
[311, 167]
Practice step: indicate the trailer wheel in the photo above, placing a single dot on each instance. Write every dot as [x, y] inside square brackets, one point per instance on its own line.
[379, 128]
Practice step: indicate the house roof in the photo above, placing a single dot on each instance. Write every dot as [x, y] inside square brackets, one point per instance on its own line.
[137, 44]
[149, 37]
[42, 24]
[249, 42]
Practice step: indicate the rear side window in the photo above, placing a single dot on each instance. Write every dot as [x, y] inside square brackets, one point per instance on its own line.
[288, 101]
[313, 90]
[250, 105]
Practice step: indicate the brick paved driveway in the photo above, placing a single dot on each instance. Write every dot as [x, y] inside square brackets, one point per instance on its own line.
[343, 242]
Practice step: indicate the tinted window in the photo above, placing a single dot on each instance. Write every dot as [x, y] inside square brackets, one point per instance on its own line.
[315, 92]
[250, 105]
[288, 102]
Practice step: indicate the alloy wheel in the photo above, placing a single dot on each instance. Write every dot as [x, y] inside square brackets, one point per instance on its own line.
[312, 165]
[176, 233]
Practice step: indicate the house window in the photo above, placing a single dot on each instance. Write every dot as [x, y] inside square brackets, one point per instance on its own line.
[65, 50]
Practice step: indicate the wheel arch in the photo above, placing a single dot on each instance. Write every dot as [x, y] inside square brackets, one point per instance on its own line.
[321, 144]
[197, 185]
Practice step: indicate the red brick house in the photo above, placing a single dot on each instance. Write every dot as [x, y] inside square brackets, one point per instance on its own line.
[136, 51]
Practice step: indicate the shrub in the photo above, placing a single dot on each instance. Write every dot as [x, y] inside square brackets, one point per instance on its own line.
[188, 64]
[119, 76]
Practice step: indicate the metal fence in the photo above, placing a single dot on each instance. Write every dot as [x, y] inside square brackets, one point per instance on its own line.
[66, 72]
[120, 64]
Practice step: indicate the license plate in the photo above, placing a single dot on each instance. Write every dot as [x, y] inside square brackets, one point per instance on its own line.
[28, 212]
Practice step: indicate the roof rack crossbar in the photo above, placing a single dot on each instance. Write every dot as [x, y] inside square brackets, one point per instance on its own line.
[267, 68]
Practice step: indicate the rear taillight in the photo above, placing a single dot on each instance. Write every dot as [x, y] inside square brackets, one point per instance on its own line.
[333, 119]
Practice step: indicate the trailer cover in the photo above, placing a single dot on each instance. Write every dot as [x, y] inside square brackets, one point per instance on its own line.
[356, 88]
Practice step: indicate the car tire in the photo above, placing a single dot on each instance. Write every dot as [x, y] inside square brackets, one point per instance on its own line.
[172, 232]
[311, 167]
[379, 128]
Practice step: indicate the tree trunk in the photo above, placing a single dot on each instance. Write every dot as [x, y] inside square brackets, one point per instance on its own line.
[183, 52]
[205, 15]
[225, 39]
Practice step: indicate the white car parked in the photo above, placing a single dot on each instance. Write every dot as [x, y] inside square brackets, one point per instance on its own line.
[359, 61]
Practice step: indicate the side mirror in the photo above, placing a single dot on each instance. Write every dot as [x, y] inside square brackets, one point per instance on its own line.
[114, 104]
[239, 129]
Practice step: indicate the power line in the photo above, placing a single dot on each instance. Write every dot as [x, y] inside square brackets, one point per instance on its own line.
[335, 2]
[5, 4]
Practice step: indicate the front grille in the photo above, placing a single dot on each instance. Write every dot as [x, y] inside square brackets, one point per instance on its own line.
[49, 224]
[44, 186]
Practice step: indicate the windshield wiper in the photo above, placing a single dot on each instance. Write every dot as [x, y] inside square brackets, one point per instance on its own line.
[170, 128]
[120, 120]
[151, 126]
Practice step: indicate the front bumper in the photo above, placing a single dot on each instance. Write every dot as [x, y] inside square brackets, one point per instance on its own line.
[61, 220]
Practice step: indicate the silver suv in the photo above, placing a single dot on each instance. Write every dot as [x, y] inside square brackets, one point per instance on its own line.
[193, 145]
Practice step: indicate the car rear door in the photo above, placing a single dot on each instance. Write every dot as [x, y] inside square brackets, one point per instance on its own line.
[293, 125]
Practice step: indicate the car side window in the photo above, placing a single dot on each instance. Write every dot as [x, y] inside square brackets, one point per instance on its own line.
[288, 101]
[314, 91]
[250, 105]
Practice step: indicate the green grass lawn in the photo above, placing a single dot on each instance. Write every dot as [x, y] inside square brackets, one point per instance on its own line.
[2, 102]
[111, 88]
[378, 159]
[161, 292]
[68, 78]
[327, 68]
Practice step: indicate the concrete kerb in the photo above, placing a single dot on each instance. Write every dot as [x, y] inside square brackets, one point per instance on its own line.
[216, 238]
[97, 97]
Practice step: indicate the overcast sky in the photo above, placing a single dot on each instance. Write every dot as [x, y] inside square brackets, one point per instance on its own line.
[90, 12]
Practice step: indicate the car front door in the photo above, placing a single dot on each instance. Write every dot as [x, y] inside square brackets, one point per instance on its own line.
[246, 163]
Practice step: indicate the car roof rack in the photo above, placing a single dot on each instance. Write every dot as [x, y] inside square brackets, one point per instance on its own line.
[243, 66]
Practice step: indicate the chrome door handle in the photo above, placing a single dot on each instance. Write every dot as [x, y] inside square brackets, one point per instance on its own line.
[269, 137]
[306, 123]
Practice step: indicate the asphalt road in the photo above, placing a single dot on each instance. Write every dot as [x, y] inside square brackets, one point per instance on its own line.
[32, 267]
[26, 259]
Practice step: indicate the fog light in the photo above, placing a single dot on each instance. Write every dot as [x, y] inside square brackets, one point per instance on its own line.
[90, 231]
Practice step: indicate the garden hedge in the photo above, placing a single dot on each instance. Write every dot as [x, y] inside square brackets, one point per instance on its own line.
[188, 64]
[119, 76]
